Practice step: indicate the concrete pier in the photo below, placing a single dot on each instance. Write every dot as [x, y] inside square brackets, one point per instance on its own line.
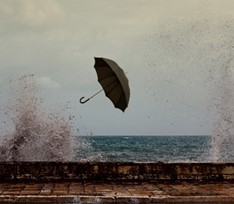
[107, 182]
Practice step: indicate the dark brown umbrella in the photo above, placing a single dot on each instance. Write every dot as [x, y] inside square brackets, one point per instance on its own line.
[113, 81]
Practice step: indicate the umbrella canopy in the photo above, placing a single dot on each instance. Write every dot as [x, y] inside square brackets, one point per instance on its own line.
[113, 81]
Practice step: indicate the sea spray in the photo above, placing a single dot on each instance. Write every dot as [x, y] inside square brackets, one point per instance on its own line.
[223, 133]
[35, 133]
[85, 151]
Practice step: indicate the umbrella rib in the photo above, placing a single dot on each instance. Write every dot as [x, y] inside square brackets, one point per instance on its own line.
[120, 97]
[106, 77]
[115, 84]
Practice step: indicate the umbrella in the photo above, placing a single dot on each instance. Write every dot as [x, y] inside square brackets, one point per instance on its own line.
[113, 81]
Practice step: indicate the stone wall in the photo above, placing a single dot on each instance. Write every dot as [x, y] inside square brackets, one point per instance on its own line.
[114, 171]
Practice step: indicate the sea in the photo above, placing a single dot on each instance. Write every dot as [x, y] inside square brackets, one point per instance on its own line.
[144, 148]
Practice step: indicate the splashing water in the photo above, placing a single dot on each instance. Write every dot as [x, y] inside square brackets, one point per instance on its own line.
[223, 134]
[32, 132]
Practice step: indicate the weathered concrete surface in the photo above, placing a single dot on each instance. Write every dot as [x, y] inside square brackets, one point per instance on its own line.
[114, 171]
[116, 192]
[107, 182]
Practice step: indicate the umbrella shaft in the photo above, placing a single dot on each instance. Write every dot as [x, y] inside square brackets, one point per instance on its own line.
[96, 93]
[84, 101]
[104, 88]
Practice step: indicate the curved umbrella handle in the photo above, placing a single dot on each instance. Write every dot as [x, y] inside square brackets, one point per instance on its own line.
[84, 100]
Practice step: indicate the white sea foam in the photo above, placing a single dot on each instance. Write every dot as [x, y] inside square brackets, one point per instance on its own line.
[223, 133]
[31, 131]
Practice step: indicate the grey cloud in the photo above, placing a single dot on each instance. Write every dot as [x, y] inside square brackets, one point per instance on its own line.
[26, 15]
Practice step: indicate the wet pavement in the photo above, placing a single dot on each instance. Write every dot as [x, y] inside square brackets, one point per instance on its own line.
[116, 192]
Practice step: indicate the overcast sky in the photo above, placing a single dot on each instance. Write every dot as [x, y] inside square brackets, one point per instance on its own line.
[173, 53]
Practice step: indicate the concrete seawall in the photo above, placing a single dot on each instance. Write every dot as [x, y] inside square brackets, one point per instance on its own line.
[113, 182]
[114, 171]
